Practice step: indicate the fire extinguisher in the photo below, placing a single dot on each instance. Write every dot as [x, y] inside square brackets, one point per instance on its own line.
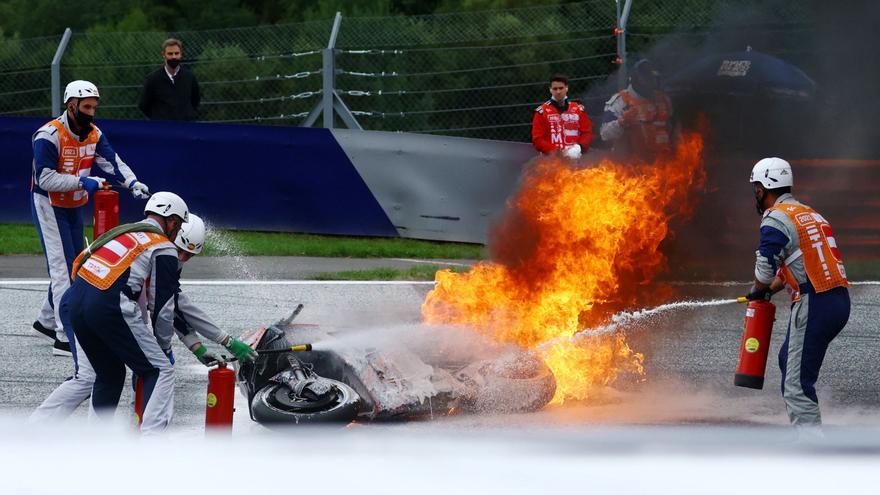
[755, 344]
[106, 210]
[138, 400]
[221, 398]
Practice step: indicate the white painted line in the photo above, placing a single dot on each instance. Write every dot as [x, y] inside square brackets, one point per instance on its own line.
[304, 282]
[734, 283]
[432, 262]
[36, 281]
[45, 282]
[729, 283]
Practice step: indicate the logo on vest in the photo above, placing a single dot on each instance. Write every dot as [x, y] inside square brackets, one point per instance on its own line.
[141, 237]
[87, 150]
[96, 268]
[805, 218]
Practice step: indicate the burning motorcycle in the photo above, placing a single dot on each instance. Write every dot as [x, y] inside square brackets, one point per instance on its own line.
[415, 373]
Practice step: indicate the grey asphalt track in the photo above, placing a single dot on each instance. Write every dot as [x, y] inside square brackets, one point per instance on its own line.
[690, 355]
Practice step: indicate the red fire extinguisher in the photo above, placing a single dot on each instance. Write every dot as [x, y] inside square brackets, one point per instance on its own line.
[221, 398]
[138, 400]
[106, 210]
[755, 344]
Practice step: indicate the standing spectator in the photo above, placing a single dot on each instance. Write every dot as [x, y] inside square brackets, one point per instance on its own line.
[171, 92]
[638, 119]
[560, 124]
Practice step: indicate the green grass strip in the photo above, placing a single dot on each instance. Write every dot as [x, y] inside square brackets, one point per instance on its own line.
[23, 239]
[416, 273]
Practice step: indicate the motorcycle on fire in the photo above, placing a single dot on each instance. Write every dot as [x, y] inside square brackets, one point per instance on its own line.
[281, 389]
[418, 373]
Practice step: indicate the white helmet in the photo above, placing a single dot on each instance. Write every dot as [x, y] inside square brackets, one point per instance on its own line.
[772, 173]
[166, 204]
[191, 237]
[80, 89]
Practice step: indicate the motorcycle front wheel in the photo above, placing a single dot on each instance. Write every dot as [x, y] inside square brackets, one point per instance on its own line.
[276, 404]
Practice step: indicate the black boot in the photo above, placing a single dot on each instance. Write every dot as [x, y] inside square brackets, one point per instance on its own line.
[61, 349]
[48, 332]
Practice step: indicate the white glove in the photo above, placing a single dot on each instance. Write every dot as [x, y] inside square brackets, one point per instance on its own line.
[573, 152]
[140, 190]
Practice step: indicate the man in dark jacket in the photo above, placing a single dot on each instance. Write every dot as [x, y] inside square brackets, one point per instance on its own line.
[171, 92]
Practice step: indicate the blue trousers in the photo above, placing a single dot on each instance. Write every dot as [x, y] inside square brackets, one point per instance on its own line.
[815, 321]
[110, 330]
[61, 236]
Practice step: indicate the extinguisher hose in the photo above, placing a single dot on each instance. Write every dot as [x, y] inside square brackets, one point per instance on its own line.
[295, 348]
[109, 236]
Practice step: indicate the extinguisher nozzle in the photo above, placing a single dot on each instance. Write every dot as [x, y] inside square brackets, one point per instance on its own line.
[301, 347]
[742, 299]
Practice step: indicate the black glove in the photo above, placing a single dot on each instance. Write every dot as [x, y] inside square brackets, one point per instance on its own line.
[759, 294]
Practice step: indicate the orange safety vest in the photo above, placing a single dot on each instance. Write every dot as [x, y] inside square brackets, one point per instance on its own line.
[651, 135]
[103, 267]
[75, 157]
[822, 261]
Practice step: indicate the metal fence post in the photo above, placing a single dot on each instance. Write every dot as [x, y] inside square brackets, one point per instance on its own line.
[620, 32]
[331, 104]
[328, 56]
[56, 73]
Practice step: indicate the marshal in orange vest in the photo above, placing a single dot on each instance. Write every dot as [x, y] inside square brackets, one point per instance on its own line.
[822, 260]
[75, 157]
[103, 267]
[651, 134]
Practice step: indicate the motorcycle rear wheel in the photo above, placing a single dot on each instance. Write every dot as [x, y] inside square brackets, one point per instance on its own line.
[268, 409]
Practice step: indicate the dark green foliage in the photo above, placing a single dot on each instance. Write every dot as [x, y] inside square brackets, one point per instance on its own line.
[473, 68]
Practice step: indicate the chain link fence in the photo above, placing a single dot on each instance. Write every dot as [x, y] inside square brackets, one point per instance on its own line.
[475, 74]
[26, 75]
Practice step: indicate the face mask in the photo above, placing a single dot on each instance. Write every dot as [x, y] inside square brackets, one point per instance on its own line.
[173, 62]
[83, 122]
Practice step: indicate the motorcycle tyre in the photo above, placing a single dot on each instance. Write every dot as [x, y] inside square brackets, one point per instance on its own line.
[343, 412]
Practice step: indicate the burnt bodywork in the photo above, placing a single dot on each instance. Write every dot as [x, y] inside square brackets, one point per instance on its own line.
[416, 372]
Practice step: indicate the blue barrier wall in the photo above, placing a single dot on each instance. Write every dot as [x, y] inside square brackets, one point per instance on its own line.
[246, 177]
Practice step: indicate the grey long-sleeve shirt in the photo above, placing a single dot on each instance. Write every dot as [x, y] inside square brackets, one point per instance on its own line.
[779, 242]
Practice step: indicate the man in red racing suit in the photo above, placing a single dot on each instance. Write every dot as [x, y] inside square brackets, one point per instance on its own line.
[561, 125]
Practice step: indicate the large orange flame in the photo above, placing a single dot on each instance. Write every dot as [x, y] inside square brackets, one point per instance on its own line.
[575, 246]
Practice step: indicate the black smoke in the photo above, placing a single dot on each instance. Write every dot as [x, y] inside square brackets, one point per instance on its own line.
[832, 140]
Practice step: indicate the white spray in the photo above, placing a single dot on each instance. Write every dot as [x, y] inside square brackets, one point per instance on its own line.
[625, 317]
[224, 244]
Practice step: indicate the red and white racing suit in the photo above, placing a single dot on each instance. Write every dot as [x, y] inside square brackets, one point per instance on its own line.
[558, 127]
